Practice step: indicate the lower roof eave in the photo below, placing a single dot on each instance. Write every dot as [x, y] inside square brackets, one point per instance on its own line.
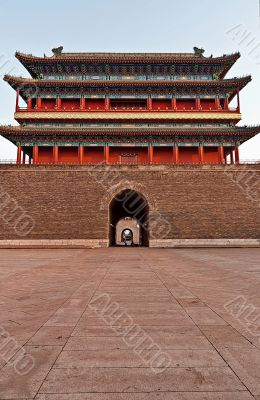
[7, 130]
[42, 137]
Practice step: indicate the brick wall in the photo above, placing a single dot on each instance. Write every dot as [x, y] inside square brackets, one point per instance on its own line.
[72, 202]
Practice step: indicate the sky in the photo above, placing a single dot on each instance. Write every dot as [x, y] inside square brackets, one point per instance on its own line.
[220, 27]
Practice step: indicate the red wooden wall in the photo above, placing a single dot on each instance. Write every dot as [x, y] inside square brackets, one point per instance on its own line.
[140, 152]
[161, 104]
[92, 155]
[211, 155]
[128, 154]
[188, 155]
[45, 154]
[163, 155]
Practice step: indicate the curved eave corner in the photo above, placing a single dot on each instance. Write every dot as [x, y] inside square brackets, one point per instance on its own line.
[23, 59]
[233, 59]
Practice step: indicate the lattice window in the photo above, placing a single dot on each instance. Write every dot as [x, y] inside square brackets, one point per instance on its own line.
[128, 158]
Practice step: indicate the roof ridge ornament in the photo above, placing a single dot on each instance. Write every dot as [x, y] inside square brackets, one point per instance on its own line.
[198, 52]
[57, 51]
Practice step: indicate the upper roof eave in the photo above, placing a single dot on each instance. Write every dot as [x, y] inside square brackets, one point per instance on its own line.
[28, 59]
[127, 57]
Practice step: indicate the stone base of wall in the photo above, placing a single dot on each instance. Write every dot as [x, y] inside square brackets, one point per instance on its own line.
[69, 244]
[205, 243]
[100, 243]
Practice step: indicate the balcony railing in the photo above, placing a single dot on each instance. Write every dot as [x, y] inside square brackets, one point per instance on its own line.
[7, 161]
[133, 162]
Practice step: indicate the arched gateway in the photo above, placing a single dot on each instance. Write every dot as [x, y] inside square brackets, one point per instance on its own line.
[129, 210]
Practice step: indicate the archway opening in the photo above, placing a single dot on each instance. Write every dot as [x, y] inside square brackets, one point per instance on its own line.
[127, 237]
[129, 210]
[125, 228]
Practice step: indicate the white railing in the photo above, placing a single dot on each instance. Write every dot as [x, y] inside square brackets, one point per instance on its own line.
[7, 161]
[250, 161]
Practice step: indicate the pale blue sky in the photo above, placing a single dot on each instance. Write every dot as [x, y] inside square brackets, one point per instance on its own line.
[127, 26]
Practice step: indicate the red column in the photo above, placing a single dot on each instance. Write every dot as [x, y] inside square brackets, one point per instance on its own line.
[238, 101]
[150, 154]
[82, 103]
[201, 154]
[231, 157]
[107, 103]
[24, 156]
[55, 154]
[226, 103]
[217, 103]
[175, 154]
[221, 155]
[58, 103]
[39, 103]
[198, 104]
[81, 151]
[17, 100]
[29, 104]
[149, 103]
[237, 155]
[174, 103]
[35, 154]
[106, 150]
[19, 153]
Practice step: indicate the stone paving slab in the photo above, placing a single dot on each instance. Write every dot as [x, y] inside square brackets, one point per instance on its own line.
[204, 316]
[14, 385]
[51, 336]
[176, 302]
[73, 380]
[224, 336]
[168, 341]
[128, 358]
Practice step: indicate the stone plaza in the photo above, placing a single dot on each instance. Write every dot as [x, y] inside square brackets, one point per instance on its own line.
[200, 308]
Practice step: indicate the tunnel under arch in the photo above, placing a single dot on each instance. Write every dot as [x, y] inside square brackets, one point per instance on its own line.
[129, 204]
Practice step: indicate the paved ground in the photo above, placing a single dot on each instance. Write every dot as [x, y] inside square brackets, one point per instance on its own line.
[157, 328]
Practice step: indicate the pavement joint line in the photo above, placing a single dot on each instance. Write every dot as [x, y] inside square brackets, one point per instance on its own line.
[133, 393]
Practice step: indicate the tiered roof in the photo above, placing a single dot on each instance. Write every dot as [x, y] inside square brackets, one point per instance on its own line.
[68, 62]
[178, 64]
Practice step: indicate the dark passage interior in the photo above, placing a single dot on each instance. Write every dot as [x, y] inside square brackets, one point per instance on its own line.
[132, 204]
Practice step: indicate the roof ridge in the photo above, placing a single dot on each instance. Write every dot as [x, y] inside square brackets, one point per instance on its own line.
[126, 54]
